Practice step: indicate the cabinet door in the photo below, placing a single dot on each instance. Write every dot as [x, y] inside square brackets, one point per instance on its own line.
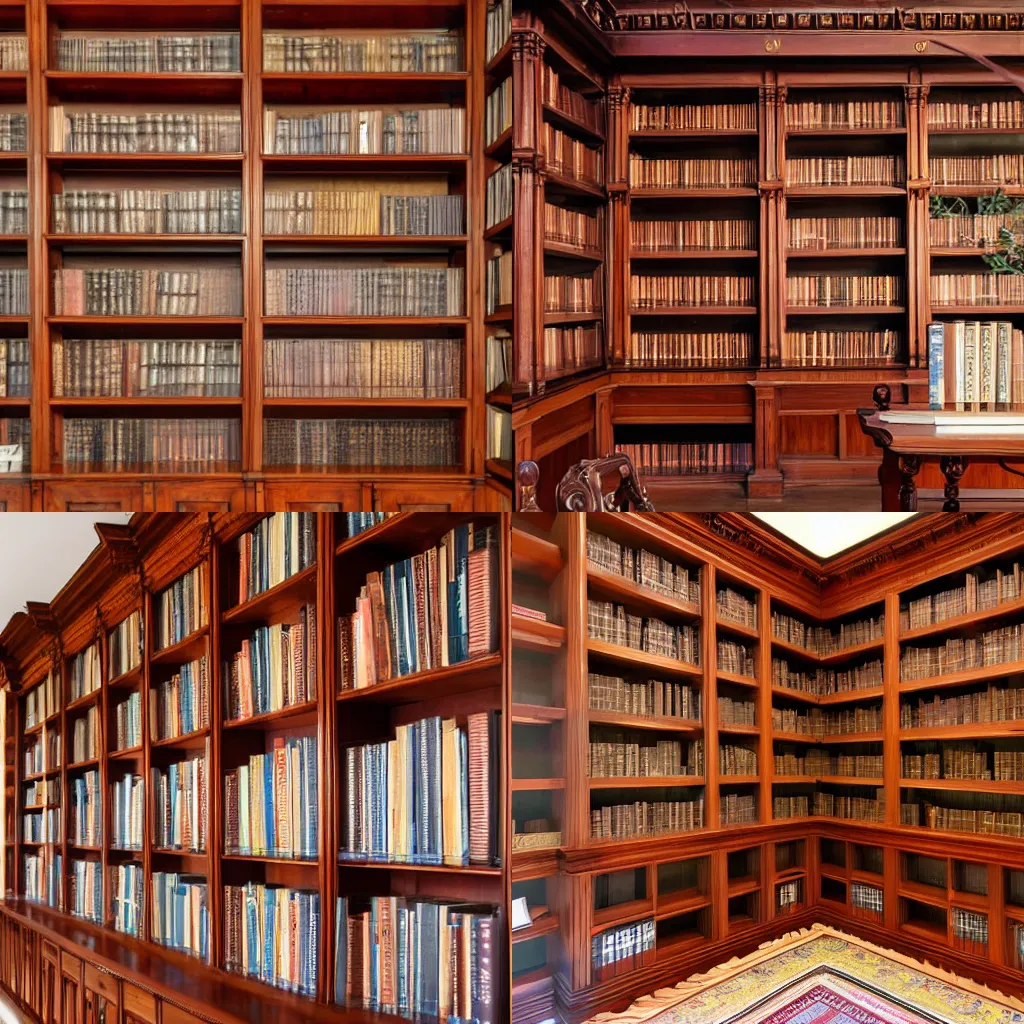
[50, 1006]
[70, 989]
[101, 1000]
[93, 498]
[425, 497]
[14, 497]
[304, 496]
[30, 984]
[139, 1006]
[199, 497]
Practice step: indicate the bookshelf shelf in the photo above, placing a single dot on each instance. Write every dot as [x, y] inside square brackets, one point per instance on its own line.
[978, 310]
[297, 589]
[740, 730]
[188, 741]
[433, 683]
[84, 701]
[183, 651]
[647, 782]
[536, 714]
[851, 696]
[369, 241]
[856, 651]
[977, 730]
[535, 555]
[653, 662]
[737, 680]
[641, 600]
[571, 318]
[874, 736]
[560, 183]
[536, 635]
[740, 191]
[964, 785]
[572, 252]
[693, 254]
[845, 310]
[964, 677]
[725, 779]
[843, 132]
[570, 124]
[545, 925]
[669, 135]
[738, 628]
[694, 311]
[525, 785]
[850, 253]
[845, 191]
[658, 723]
[795, 695]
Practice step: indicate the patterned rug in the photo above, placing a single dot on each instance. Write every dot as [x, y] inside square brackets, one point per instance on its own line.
[819, 975]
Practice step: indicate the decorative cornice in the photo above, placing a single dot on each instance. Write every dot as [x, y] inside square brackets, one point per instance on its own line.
[740, 530]
[895, 19]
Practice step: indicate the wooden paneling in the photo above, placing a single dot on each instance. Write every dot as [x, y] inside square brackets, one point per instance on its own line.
[809, 435]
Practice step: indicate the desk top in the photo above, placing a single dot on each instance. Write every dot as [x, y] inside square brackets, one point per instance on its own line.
[922, 439]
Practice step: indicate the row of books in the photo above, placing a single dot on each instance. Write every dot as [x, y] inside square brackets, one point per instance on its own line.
[826, 681]
[646, 818]
[43, 878]
[272, 933]
[498, 196]
[85, 672]
[13, 131]
[126, 797]
[148, 53]
[355, 523]
[734, 759]
[125, 645]
[571, 158]
[968, 231]
[995, 169]
[612, 693]
[180, 914]
[993, 647]
[13, 51]
[499, 433]
[677, 235]
[180, 796]
[737, 808]
[853, 113]
[41, 826]
[13, 211]
[126, 898]
[429, 796]
[426, 289]
[578, 228]
[679, 459]
[353, 210]
[572, 293]
[983, 588]
[435, 609]
[826, 640]
[736, 606]
[498, 112]
[625, 948]
[844, 290]
[14, 291]
[661, 117]
[116, 367]
[15, 369]
[498, 282]
[275, 668]
[499, 26]
[975, 361]
[279, 546]
[981, 820]
[817, 722]
[353, 442]
[962, 109]
[883, 169]
[838, 347]
[128, 723]
[417, 957]
[270, 804]
[874, 232]
[643, 567]
[85, 822]
[33, 757]
[864, 766]
[181, 705]
[961, 762]
[682, 172]
[993, 704]
[182, 608]
[79, 129]
[969, 926]
[144, 291]
[556, 93]
[363, 367]
[856, 808]
[85, 736]
[736, 657]
[568, 349]
[142, 445]
[383, 130]
[147, 211]
[617, 757]
[651, 291]
[362, 51]
[43, 700]
[866, 897]
[16, 431]
[976, 289]
[784, 807]
[736, 712]
[611, 623]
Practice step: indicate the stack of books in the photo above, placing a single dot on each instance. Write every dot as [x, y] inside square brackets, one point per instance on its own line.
[180, 803]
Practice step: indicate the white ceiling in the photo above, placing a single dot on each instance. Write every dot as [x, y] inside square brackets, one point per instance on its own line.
[40, 551]
[827, 533]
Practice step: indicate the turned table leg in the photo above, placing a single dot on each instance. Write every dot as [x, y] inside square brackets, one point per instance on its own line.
[889, 478]
[953, 467]
[909, 467]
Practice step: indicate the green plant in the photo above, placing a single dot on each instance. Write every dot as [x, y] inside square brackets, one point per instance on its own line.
[1007, 255]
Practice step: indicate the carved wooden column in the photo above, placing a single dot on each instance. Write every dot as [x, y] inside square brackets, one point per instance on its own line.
[766, 479]
[604, 432]
[771, 232]
[527, 206]
[617, 266]
[918, 194]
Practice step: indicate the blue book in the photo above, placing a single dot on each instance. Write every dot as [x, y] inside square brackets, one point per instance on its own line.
[391, 609]
[340, 949]
[936, 367]
[268, 801]
[462, 600]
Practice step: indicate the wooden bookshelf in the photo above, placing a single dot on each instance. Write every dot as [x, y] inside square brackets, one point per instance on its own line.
[831, 858]
[128, 570]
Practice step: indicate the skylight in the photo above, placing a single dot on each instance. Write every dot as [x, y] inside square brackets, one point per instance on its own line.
[827, 533]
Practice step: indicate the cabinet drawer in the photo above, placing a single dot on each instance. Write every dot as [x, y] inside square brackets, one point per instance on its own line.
[71, 964]
[93, 498]
[100, 983]
[140, 1005]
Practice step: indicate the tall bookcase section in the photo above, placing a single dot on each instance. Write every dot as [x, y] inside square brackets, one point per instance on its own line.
[539, 723]
[144, 252]
[370, 345]
[498, 229]
[15, 351]
[827, 685]
[408, 697]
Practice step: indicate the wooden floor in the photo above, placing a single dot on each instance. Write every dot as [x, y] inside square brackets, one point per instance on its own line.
[805, 499]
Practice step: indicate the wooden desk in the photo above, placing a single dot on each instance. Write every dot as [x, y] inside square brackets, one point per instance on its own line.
[906, 446]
